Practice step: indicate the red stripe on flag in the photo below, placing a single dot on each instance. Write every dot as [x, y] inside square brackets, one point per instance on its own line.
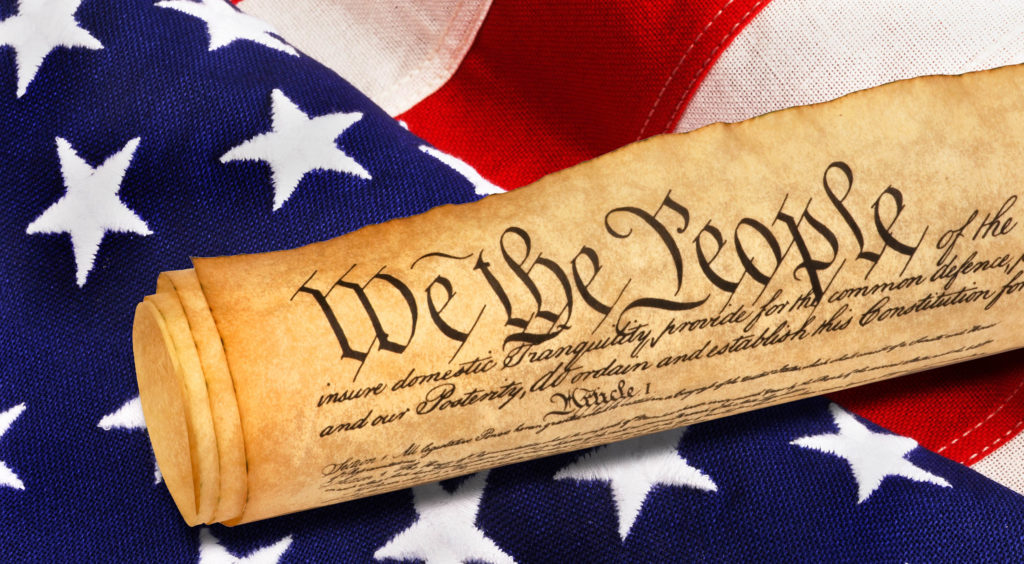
[548, 85]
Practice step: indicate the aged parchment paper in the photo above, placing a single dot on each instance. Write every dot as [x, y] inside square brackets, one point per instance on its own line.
[676, 280]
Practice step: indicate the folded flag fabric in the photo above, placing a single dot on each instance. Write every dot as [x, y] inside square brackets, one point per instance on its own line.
[138, 133]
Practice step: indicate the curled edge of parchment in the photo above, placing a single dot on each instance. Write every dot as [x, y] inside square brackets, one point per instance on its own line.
[189, 402]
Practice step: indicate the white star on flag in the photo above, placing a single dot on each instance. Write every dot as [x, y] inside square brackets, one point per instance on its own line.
[90, 208]
[37, 29]
[298, 144]
[446, 529]
[481, 185]
[211, 552]
[7, 476]
[633, 468]
[872, 456]
[129, 417]
[225, 24]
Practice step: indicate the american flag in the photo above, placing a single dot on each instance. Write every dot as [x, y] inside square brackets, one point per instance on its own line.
[138, 133]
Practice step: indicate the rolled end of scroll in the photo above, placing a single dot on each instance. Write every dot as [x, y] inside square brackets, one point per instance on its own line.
[157, 369]
[188, 401]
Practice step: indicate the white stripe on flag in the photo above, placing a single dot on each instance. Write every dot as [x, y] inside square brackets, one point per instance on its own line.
[397, 56]
[1004, 464]
[806, 51]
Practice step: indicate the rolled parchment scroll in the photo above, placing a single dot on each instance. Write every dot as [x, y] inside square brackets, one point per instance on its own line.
[676, 280]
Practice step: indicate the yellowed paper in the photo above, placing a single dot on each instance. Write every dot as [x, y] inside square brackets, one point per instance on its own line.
[676, 280]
